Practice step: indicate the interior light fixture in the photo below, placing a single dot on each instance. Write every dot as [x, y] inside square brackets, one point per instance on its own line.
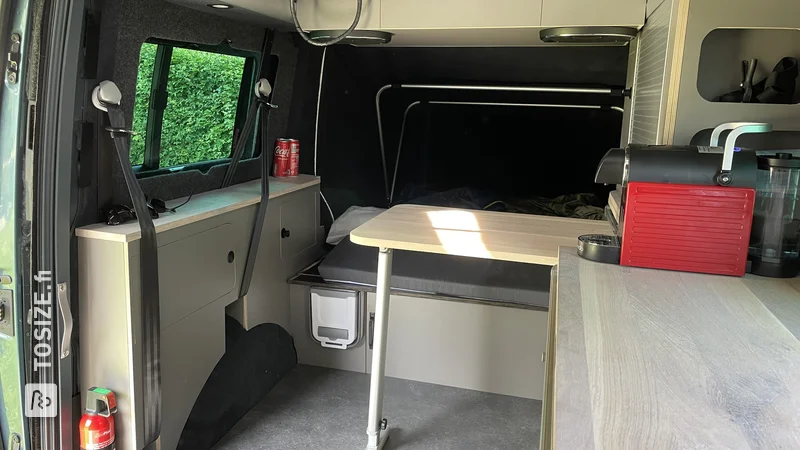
[219, 6]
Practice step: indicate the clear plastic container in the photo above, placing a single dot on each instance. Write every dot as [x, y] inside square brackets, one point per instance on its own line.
[775, 237]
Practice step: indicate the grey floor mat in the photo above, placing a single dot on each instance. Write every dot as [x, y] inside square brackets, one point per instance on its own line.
[316, 408]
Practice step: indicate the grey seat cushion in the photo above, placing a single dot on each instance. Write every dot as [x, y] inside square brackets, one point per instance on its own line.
[458, 276]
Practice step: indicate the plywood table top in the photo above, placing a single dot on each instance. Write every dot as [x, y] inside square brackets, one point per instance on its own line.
[648, 359]
[483, 234]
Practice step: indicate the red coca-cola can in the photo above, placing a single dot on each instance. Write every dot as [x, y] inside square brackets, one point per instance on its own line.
[294, 157]
[281, 162]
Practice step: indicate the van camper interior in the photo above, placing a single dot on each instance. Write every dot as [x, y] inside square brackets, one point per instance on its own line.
[401, 224]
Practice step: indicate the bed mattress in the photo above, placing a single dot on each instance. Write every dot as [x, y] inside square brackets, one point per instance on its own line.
[457, 276]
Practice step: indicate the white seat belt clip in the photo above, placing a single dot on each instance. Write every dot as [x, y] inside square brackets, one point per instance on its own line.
[106, 93]
[263, 90]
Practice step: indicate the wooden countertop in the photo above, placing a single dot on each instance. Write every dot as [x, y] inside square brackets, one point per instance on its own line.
[656, 359]
[483, 234]
[201, 206]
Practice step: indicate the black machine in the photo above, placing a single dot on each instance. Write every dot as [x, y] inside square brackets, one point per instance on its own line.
[696, 175]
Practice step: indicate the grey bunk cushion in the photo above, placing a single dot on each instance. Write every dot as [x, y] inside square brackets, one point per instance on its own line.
[458, 276]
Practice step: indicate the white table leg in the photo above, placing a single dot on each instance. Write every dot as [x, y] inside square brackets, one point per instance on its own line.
[382, 291]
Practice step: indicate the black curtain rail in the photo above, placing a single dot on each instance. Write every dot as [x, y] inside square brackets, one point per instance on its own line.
[609, 91]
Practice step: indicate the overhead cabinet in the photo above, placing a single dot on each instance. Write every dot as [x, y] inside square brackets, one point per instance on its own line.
[561, 13]
[394, 15]
[427, 14]
[718, 37]
[338, 14]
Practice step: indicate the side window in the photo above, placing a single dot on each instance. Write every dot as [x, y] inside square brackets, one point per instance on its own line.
[190, 104]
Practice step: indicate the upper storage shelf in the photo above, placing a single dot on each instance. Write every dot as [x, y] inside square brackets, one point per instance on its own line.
[469, 22]
[722, 53]
[338, 14]
[427, 14]
[719, 35]
[563, 13]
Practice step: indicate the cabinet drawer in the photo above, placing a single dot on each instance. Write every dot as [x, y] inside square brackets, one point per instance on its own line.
[298, 224]
[420, 14]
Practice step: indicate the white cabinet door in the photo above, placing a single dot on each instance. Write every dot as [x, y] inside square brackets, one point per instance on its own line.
[338, 14]
[298, 230]
[556, 13]
[421, 14]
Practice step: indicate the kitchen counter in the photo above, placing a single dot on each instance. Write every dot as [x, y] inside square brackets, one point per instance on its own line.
[646, 359]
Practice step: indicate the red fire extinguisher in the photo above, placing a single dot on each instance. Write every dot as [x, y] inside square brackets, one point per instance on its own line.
[97, 424]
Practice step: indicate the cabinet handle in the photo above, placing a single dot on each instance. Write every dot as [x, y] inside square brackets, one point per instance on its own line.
[66, 317]
[285, 233]
[371, 329]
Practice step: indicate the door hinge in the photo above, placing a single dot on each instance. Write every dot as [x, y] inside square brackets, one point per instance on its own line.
[12, 63]
[7, 312]
[16, 442]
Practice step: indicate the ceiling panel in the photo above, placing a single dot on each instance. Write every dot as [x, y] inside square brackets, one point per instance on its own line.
[269, 13]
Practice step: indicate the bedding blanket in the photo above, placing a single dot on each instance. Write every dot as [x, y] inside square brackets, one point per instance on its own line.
[580, 206]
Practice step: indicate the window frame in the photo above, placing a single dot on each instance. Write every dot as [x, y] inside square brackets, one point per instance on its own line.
[159, 101]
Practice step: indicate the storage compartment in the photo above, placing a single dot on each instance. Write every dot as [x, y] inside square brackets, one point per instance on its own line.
[420, 14]
[335, 316]
[724, 50]
[556, 13]
[309, 351]
[473, 346]
[297, 232]
[195, 271]
[337, 14]
[494, 144]
[712, 38]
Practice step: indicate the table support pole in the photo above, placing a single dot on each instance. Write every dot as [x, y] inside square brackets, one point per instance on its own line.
[383, 288]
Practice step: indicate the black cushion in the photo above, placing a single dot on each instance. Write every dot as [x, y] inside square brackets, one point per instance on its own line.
[458, 276]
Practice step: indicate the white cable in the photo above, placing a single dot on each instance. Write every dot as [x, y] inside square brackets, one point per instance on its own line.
[319, 100]
[316, 129]
[337, 39]
[326, 204]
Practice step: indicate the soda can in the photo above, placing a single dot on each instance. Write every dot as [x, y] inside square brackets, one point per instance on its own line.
[281, 161]
[294, 157]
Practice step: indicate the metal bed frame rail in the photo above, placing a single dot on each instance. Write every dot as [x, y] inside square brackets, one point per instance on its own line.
[616, 92]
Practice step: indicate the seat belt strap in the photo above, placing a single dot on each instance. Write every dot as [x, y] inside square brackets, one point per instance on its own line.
[107, 97]
[238, 151]
[261, 212]
[262, 91]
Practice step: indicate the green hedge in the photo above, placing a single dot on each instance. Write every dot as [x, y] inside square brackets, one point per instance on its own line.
[203, 91]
